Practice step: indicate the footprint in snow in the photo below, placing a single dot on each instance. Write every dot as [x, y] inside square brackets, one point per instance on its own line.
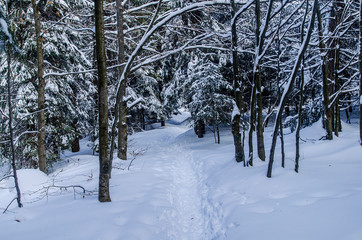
[261, 209]
[304, 202]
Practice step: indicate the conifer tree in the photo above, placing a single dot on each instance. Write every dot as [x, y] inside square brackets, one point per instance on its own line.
[208, 93]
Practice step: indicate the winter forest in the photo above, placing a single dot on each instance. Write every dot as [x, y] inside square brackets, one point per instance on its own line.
[192, 119]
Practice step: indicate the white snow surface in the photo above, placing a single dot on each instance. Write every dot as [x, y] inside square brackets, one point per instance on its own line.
[185, 188]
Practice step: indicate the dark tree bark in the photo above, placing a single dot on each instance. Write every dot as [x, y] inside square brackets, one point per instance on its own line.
[330, 62]
[218, 133]
[257, 82]
[326, 101]
[347, 116]
[338, 123]
[282, 142]
[142, 118]
[252, 125]
[121, 105]
[252, 117]
[13, 163]
[200, 131]
[300, 109]
[287, 91]
[259, 126]
[104, 165]
[203, 127]
[301, 90]
[238, 143]
[41, 90]
[279, 94]
[122, 110]
[122, 122]
[333, 61]
[260, 33]
[75, 144]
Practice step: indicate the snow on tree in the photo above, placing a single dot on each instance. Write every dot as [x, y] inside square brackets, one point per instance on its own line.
[4, 30]
[68, 98]
[7, 44]
[207, 93]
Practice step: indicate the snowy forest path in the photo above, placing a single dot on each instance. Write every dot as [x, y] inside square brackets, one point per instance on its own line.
[185, 197]
[191, 215]
[195, 214]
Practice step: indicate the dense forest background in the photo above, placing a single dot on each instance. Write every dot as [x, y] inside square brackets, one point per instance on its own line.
[244, 64]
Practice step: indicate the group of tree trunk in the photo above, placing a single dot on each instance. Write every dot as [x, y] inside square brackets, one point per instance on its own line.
[329, 47]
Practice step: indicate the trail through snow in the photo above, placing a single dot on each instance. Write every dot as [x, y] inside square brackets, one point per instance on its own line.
[191, 215]
[192, 211]
[185, 198]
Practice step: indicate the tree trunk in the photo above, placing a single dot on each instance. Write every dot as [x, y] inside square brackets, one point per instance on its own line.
[121, 112]
[252, 117]
[338, 123]
[122, 134]
[41, 90]
[257, 90]
[282, 142]
[259, 128]
[163, 123]
[13, 164]
[332, 112]
[218, 133]
[252, 125]
[200, 133]
[287, 91]
[104, 165]
[347, 116]
[238, 143]
[332, 63]
[300, 107]
[260, 34]
[279, 94]
[75, 144]
[339, 11]
[122, 122]
[326, 102]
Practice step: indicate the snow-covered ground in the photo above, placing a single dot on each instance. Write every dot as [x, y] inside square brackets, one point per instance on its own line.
[180, 187]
